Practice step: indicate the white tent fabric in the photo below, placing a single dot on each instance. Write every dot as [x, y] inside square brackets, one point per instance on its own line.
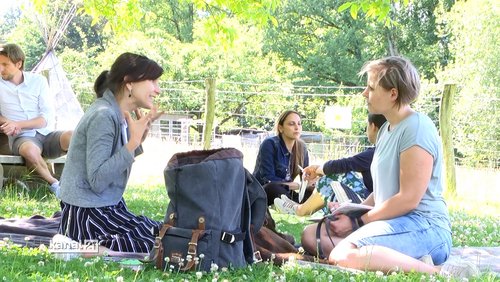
[68, 109]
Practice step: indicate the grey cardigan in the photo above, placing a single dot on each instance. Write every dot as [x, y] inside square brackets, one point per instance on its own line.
[98, 164]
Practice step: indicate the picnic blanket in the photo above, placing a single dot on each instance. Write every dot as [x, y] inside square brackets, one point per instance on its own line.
[37, 230]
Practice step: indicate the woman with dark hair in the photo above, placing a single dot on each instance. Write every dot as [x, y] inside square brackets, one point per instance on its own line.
[101, 154]
[280, 156]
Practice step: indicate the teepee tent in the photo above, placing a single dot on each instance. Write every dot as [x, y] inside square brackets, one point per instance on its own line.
[68, 109]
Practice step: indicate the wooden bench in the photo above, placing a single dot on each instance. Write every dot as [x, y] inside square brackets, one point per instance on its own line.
[55, 165]
[7, 161]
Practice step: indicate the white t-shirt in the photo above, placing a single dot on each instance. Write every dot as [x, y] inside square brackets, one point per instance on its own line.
[28, 100]
[415, 130]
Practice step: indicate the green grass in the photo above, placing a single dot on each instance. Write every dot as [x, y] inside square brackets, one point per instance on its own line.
[477, 225]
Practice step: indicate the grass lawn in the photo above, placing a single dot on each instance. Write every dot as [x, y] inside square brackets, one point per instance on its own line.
[475, 223]
[475, 226]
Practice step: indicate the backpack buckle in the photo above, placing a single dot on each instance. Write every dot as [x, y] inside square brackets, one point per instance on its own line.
[227, 238]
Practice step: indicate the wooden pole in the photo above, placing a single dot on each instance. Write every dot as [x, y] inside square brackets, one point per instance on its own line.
[445, 128]
[209, 112]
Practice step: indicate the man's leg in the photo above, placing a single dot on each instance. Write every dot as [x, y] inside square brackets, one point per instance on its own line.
[32, 154]
[65, 139]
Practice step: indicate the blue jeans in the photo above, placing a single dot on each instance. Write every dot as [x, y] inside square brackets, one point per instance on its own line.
[410, 234]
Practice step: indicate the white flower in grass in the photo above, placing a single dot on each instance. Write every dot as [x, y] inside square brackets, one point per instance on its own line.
[244, 277]
[202, 256]
[119, 279]
[199, 274]
[213, 267]
[42, 248]
[41, 263]
[27, 238]
[379, 273]
[167, 259]
[189, 257]
[88, 264]
[5, 239]
[224, 269]
[330, 277]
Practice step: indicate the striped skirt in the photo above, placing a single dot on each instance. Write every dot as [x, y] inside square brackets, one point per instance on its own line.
[115, 227]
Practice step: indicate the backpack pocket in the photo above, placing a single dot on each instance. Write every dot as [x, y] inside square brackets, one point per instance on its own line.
[185, 249]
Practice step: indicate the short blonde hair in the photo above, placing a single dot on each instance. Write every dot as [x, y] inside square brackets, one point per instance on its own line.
[14, 53]
[396, 72]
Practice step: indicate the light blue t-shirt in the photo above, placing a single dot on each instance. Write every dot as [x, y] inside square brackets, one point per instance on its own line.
[415, 130]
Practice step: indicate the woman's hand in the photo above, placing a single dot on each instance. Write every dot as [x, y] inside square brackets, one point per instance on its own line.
[309, 172]
[152, 115]
[341, 226]
[137, 128]
[293, 185]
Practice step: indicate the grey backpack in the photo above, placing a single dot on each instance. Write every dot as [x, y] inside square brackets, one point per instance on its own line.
[213, 202]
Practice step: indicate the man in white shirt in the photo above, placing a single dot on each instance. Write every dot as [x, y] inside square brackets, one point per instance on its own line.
[27, 115]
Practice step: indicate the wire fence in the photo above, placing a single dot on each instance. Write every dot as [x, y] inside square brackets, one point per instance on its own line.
[246, 112]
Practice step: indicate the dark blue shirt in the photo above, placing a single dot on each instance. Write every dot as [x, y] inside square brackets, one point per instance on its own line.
[360, 163]
[273, 161]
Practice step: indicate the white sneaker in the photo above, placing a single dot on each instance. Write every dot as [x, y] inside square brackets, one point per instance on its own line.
[284, 206]
[458, 268]
[54, 187]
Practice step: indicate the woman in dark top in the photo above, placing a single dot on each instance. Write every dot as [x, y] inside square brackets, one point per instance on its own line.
[280, 156]
[341, 170]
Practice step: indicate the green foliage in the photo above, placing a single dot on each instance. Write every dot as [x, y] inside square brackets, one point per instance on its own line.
[28, 35]
[475, 71]
[378, 10]
[177, 16]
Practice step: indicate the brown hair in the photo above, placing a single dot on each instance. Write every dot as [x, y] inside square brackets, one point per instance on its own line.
[396, 72]
[297, 149]
[14, 53]
[128, 67]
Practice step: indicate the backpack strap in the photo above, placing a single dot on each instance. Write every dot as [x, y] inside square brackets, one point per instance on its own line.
[231, 238]
[193, 244]
[325, 220]
[158, 246]
[356, 223]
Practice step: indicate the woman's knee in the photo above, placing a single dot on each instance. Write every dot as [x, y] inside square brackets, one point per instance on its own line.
[344, 254]
[308, 239]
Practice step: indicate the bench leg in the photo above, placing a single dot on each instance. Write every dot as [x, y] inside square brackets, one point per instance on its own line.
[1, 176]
[57, 169]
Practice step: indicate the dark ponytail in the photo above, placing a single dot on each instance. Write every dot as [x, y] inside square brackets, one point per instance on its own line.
[100, 84]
